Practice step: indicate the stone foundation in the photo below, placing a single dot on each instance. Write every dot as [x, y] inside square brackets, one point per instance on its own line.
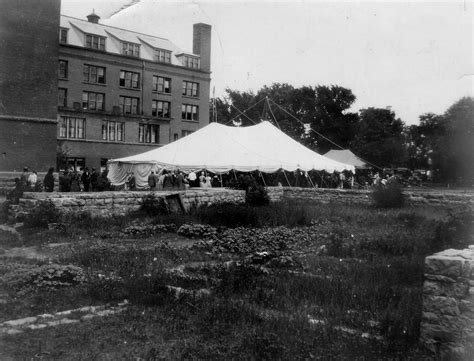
[447, 325]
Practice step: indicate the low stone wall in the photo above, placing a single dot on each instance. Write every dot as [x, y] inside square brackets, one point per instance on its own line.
[447, 325]
[119, 203]
[111, 203]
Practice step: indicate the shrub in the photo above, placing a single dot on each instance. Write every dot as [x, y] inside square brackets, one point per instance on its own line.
[154, 206]
[257, 195]
[42, 215]
[388, 197]
[47, 276]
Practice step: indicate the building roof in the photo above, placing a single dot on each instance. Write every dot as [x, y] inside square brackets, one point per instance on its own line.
[78, 28]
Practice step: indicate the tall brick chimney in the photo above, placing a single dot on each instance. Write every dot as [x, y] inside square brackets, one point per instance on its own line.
[202, 44]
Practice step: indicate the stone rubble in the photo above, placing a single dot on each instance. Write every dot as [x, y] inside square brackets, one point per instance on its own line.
[13, 327]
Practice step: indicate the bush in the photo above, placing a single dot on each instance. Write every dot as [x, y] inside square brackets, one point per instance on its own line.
[154, 206]
[47, 276]
[388, 197]
[42, 215]
[257, 195]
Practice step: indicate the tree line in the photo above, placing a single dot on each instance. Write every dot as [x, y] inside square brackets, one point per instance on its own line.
[321, 119]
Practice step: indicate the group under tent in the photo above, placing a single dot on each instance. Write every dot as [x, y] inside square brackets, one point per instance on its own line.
[220, 149]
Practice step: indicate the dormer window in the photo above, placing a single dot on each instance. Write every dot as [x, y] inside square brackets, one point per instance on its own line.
[95, 42]
[63, 35]
[130, 49]
[191, 61]
[161, 55]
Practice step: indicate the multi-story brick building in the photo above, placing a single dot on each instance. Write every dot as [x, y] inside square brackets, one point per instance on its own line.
[116, 92]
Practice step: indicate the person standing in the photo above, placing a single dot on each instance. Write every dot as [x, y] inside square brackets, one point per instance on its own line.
[180, 180]
[152, 181]
[24, 178]
[32, 179]
[342, 179]
[202, 180]
[94, 180]
[65, 182]
[48, 181]
[75, 182]
[132, 185]
[86, 179]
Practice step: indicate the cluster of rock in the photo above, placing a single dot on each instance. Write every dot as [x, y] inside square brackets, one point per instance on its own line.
[447, 325]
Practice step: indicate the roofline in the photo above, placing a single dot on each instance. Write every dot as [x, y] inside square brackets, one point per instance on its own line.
[114, 27]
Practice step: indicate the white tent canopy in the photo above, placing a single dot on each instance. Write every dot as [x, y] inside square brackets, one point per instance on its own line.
[220, 148]
[346, 156]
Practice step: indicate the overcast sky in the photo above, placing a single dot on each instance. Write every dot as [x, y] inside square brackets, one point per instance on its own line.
[416, 57]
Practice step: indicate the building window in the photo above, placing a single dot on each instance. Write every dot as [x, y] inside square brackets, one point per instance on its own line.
[129, 79]
[161, 109]
[189, 112]
[190, 89]
[185, 133]
[93, 74]
[113, 131]
[76, 164]
[161, 84]
[130, 49]
[63, 35]
[191, 62]
[72, 128]
[62, 97]
[62, 70]
[129, 105]
[163, 56]
[93, 101]
[95, 42]
[149, 133]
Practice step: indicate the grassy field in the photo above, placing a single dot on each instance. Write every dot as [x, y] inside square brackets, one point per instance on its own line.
[285, 281]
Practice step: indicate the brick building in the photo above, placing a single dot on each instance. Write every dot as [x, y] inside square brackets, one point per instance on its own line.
[105, 92]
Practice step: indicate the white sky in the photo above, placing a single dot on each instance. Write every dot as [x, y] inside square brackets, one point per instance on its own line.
[416, 57]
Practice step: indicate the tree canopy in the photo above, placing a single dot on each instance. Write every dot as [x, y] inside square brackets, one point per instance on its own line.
[320, 117]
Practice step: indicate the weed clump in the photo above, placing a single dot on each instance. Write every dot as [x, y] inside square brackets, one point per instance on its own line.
[45, 213]
[390, 196]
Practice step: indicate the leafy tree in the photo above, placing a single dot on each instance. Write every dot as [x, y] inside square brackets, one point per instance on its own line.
[379, 138]
[425, 142]
[323, 108]
[459, 157]
[331, 117]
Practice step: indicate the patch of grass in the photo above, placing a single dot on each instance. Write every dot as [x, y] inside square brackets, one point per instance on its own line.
[369, 279]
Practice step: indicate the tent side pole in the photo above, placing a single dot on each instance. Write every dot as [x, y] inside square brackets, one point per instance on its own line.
[263, 179]
[287, 180]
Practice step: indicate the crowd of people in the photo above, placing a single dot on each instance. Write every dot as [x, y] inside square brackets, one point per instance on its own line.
[85, 180]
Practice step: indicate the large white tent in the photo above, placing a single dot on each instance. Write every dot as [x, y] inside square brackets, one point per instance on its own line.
[220, 148]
